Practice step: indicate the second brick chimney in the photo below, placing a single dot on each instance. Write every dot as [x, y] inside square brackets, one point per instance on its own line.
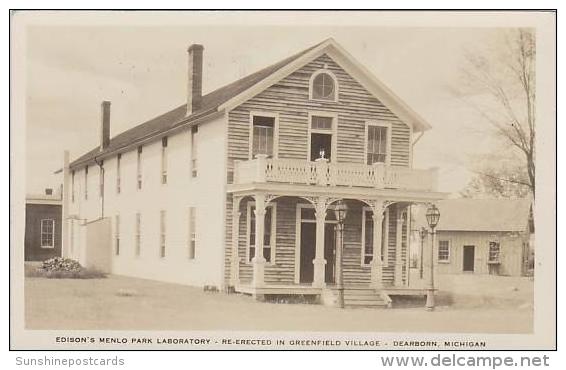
[105, 125]
[194, 96]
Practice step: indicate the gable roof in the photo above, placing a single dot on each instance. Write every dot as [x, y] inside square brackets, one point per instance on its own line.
[484, 214]
[233, 94]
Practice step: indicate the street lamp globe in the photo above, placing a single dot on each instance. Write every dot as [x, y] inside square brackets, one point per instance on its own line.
[432, 216]
[341, 211]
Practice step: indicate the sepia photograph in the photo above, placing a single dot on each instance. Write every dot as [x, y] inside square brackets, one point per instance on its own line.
[283, 180]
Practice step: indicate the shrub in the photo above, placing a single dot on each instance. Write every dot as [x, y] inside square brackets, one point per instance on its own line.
[64, 268]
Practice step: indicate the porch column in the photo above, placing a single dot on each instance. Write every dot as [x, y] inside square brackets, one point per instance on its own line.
[376, 262]
[258, 260]
[235, 261]
[399, 249]
[319, 262]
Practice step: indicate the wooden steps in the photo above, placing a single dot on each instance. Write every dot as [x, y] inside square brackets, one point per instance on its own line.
[365, 297]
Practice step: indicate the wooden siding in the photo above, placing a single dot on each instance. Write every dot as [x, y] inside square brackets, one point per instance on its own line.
[512, 251]
[283, 270]
[289, 98]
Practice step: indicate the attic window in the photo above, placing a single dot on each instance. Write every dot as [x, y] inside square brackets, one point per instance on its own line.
[323, 86]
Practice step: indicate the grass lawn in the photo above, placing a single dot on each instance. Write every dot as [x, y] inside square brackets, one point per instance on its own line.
[123, 303]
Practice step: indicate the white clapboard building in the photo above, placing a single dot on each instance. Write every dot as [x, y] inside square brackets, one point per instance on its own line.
[236, 188]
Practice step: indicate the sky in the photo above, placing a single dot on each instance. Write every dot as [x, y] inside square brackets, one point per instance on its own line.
[141, 68]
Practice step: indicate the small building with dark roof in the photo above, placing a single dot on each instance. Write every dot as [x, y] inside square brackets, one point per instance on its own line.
[484, 236]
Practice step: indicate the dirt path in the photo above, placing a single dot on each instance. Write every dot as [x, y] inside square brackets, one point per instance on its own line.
[122, 303]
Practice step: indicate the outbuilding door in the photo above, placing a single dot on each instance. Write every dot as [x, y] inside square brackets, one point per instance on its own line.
[469, 255]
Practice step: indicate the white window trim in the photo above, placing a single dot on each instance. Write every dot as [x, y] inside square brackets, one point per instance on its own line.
[273, 236]
[333, 132]
[52, 233]
[273, 115]
[449, 251]
[162, 234]
[194, 148]
[336, 86]
[387, 125]
[164, 161]
[117, 230]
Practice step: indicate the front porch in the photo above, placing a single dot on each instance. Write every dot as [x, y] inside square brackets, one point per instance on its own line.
[297, 254]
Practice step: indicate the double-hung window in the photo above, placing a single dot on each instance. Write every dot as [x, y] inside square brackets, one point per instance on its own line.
[377, 143]
[138, 234]
[194, 151]
[163, 223]
[164, 160]
[118, 173]
[47, 233]
[139, 167]
[268, 233]
[443, 251]
[192, 242]
[263, 135]
[117, 235]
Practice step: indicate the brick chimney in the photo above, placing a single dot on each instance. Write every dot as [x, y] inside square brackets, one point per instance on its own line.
[105, 125]
[194, 96]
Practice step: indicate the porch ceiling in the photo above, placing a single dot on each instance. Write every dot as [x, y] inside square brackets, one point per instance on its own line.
[281, 189]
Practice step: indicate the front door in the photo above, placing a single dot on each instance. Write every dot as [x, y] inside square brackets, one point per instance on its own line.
[319, 142]
[308, 249]
[329, 253]
[469, 255]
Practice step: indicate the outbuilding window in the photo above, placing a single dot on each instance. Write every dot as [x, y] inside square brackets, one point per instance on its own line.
[47, 233]
[444, 251]
[494, 251]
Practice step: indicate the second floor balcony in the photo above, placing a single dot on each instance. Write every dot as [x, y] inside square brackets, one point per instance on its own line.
[323, 173]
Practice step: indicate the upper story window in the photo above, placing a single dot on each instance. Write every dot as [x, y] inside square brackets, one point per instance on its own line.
[86, 182]
[377, 143]
[101, 179]
[324, 86]
[194, 140]
[139, 167]
[164, 160]
[118, 173]
[263, 134]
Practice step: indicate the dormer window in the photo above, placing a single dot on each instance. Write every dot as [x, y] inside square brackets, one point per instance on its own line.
[323, 86]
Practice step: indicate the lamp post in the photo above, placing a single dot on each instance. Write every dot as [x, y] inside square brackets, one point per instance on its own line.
[432, 217]
[340, 210]
[423, 233]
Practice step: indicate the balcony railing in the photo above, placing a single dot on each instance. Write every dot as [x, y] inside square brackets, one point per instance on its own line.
[293, 171]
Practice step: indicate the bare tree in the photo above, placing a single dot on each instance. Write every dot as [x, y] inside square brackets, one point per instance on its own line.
[500, 85]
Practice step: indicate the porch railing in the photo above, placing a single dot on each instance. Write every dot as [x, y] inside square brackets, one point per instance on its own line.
[293, 171]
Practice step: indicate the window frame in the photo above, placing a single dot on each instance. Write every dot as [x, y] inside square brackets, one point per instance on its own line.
[272, 237]
[194, 135]
[336, 86]
[449, 255]
[333, 132]
[46, 246]
[117, 235]
[164, 162]
[137, 234]
[386, 125]
[192, 233]
[139, 169]
[86, 182]
[162, 233]
[118, 173]
[275, 116]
